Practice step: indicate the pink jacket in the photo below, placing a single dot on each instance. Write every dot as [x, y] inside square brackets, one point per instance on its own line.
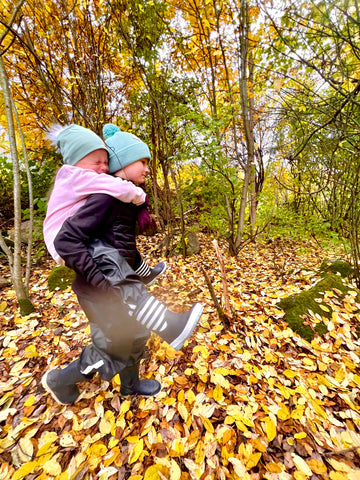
[71, 188]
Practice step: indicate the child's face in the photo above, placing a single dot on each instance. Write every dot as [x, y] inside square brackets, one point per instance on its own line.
[96, 160]
[135, 172]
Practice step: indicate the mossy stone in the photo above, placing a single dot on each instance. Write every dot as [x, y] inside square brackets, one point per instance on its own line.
[61, 278]
[26, 307]
[297, 306]
[192, 244]
[338, 266]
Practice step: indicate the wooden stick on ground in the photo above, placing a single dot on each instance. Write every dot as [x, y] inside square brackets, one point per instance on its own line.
[223, 277]
[219, 310]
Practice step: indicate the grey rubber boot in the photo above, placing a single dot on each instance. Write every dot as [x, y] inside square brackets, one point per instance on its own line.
[174, 328]
[132, 385]
[61, 383]
[154, 274]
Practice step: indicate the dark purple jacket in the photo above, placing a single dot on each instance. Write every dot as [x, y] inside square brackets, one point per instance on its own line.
[105, 218]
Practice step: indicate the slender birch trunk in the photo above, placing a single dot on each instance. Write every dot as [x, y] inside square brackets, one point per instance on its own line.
[247, 117]
[31, 200]
[14, 258]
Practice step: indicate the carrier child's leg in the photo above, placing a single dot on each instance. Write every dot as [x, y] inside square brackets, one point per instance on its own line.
[131, 384]
[139, 304]
[61, 383]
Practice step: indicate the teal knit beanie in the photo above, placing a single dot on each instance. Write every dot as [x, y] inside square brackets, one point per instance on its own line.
[75, 142]
[124, 148]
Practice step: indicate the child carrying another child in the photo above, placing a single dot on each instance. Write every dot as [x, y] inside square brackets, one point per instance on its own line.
[85, 156]
[99, 242]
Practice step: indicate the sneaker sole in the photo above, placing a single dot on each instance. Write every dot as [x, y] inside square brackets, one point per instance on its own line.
[193, 319]
[157, 276]
[48, 389]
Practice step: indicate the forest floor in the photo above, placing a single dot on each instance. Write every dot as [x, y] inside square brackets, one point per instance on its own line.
[246, 398]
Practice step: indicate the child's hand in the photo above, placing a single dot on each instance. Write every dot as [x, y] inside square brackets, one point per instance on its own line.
[141, 198]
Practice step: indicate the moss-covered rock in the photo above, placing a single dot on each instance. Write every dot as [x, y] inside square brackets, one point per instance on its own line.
[61, 278]
[26, 307]
[192, 244]
[297, 306]
[337, 266]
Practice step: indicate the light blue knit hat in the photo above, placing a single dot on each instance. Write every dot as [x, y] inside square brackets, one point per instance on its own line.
[124, 148]
[75, 142]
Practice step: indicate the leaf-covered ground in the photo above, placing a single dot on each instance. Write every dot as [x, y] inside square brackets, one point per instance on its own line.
[245, 399]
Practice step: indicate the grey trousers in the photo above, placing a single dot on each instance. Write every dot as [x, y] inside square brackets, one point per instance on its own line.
[118, 340]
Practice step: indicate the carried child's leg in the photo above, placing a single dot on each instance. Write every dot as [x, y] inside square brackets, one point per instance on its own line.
[147, 274]
[140, 305]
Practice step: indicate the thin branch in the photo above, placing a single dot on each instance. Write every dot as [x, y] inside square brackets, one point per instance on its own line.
[11, 21]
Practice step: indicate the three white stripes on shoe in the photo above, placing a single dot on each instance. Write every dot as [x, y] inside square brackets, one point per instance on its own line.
[153, 311]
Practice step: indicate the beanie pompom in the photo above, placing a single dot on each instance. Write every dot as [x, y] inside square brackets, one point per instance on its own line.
[54, 131]
[109, 130]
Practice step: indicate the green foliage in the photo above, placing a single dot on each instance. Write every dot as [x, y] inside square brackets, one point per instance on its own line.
[6, 187]
[43, 168]
[211, 177]
[140, 23]
[283, 221]
[319, 134]
[204, 195]
[40, 205]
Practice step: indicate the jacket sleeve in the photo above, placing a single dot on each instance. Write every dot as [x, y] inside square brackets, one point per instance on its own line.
[88, 182]
[76, 234]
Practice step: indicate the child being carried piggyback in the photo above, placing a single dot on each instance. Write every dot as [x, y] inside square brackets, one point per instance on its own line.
[98, 242]
[85, 172]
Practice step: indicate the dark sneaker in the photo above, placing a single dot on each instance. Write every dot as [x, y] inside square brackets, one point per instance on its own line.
[147, 387]
[180, 329]
[63, 394]
[156, 272]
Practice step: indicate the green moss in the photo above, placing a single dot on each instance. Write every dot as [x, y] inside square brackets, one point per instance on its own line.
[61, 278]
[297, 306]
[338, 266]
[26, 307]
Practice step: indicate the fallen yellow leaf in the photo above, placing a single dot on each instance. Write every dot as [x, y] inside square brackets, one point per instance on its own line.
[317, 466]
[301, 465]
[137, 451]
[153, 472]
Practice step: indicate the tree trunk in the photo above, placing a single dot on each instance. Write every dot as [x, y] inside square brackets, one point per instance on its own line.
[251, 147]
[25, 305]
[181, 211]
[247, 117]
[154, 177]
[31, 199]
